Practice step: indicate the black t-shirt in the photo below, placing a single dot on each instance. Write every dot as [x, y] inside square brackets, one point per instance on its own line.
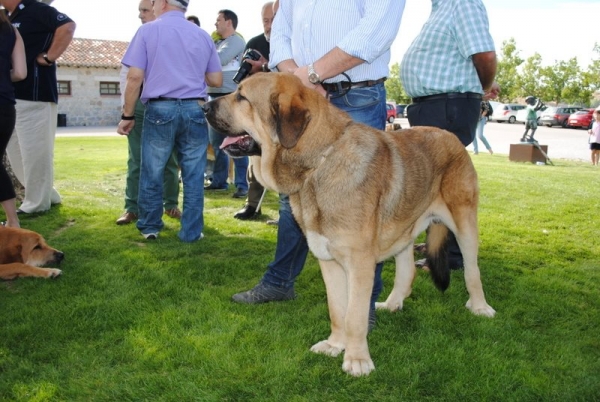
[7, 44]
[260, 43]
[37, 23]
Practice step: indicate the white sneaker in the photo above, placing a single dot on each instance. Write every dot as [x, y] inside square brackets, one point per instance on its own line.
[150, 236]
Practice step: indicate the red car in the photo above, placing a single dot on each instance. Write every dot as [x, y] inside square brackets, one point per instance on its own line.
[391, 112]
[582, 118]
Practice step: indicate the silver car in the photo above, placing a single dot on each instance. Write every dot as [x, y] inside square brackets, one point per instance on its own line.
[506, 112]
[557, 116]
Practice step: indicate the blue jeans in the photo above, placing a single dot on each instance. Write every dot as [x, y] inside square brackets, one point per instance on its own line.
[221, 167]
[480, 127]
[365, 105]
[178, 124]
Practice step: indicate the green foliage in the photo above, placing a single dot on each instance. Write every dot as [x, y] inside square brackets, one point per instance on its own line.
[134, 320]
[507, 72]
[394, 88]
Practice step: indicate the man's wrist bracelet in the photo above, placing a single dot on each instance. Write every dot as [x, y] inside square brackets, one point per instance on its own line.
[265, 68]
[123, 117]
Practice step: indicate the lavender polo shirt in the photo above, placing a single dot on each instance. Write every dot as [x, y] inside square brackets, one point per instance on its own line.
[175, 56]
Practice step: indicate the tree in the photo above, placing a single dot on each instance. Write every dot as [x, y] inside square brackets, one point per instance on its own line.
[507, 72]
[562, 83]
[528, 81]
[394, 88]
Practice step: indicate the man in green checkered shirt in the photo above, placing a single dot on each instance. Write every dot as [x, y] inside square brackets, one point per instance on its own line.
[447, 70]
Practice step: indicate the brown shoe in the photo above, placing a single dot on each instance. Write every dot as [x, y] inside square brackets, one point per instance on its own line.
[174, 213]
[126, 218]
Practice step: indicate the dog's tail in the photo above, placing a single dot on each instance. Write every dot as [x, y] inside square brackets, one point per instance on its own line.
[437, 255]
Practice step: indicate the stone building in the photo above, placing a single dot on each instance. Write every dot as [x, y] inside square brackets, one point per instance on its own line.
[88, 83]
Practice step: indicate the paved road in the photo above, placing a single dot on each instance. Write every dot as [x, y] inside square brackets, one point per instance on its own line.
[563, 143]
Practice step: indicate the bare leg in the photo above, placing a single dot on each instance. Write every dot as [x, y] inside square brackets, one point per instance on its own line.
[10, 209]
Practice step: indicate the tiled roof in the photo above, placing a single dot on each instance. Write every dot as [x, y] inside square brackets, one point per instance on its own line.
[93, 53]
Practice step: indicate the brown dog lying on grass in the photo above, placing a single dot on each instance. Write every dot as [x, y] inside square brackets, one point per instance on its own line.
[23, 251]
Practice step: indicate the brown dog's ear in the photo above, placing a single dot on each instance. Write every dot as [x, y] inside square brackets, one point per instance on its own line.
[291, 118]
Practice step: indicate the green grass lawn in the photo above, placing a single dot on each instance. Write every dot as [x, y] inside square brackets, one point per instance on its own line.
[132, 320]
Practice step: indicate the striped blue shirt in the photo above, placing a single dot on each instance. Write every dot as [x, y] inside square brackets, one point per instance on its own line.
[305, 30]
[439, 59]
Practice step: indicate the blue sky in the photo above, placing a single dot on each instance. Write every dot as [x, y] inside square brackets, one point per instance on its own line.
[556, 29]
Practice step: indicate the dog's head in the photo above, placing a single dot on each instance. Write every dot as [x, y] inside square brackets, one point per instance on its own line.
[270, 107]
[28, 247]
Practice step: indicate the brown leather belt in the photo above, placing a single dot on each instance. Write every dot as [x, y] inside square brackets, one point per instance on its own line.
[347, 85]
[449, 95]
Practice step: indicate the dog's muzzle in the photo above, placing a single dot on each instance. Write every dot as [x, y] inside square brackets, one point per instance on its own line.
[238, 147]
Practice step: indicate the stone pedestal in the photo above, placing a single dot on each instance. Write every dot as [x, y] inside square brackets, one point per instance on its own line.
[527, 152]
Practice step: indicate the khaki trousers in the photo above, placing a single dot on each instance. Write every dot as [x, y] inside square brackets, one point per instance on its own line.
[31, 154]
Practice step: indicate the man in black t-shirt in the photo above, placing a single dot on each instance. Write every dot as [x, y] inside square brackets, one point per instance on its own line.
[261, 44]
[46, 33]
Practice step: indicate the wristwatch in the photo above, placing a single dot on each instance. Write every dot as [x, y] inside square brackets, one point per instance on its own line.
[45, 57]
[313, 77]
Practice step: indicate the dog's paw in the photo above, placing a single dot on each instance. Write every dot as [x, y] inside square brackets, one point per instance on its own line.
[387, 305]
[53, 273]
[483, 309]
[325, 348]
[358, 367]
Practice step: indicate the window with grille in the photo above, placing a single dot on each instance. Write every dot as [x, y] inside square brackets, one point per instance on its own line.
[64, 87]
[110, 88]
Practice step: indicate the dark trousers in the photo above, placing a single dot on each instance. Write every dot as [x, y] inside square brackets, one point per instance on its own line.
[459, 116]
[7, 125]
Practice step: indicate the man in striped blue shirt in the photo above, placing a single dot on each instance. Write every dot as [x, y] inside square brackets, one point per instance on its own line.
[342, 50]
[447, 70]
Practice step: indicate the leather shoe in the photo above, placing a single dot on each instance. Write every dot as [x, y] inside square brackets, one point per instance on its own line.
[246, 213]
[126, 218]
[240, 193]
[174, 213]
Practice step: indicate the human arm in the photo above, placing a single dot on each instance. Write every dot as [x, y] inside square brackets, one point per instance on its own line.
[214, 79]
[63, 35]
[135, 77]
[19, 64]
[485, 63]
[231, 47]
[359, 36]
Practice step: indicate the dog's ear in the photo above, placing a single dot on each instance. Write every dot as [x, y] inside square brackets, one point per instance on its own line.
[291, 117]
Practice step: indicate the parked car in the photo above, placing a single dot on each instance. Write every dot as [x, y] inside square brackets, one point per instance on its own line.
[582, 118]
[391, 113]
[557, 115]
[521, 116]
[506, 112]
[400, 110]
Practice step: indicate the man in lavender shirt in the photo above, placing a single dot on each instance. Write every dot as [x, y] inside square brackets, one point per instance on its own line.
[176, 61]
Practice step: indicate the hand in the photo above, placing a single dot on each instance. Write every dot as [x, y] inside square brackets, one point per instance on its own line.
[256, 64]
[302, 73]
[493, 92]
[125, 127]
[41, 61]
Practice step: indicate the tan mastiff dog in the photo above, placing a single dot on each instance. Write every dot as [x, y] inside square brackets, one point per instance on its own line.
[360, 196]
[23, 251]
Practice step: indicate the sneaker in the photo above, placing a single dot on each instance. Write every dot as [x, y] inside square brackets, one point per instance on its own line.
[174, 213]
[150, 236]
[263, 293]
[422, 264]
